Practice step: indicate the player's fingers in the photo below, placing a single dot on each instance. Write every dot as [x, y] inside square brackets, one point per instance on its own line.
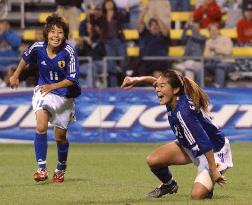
[125, 82]
[221, 181]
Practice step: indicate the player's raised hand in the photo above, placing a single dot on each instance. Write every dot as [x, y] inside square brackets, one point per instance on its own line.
[129, 82]
[14, 81]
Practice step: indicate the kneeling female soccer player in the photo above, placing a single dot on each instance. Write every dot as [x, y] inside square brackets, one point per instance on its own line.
[198, 141]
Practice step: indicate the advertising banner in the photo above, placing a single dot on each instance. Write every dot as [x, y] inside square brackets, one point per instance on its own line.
[116, 115]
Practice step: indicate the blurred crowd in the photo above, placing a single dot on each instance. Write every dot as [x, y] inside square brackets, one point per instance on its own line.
[101, 35]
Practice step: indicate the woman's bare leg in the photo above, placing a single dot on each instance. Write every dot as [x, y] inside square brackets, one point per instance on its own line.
[159, 160]
[168, 154]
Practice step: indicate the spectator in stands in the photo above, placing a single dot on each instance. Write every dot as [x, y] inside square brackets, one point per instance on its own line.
[9, 45]
[91, 45]
[194, 47]
[133, 9]
[153, 42]
[3, 9]
[217, 50]
[111, 25]
[160, 9]
[244, 38]
[181, 5]
[244, 25]
[92, 3]
[68, 10]
[220, 3]
[29, 77]
[234, 13]
[208, 12]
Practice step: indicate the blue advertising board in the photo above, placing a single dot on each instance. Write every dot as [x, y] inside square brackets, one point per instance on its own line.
[116, 115]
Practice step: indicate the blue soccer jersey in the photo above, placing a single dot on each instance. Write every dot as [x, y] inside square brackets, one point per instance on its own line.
[193, 129]
[52, 70]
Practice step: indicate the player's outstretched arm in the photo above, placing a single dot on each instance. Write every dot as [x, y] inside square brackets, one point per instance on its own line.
[14, 79]
[130, 82]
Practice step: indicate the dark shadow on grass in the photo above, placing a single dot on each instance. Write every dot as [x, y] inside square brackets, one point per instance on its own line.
[123, 202]
[25, 185]
[47, 182]
[182, 197]
[127, 201]
[217, 197]
[76, 180]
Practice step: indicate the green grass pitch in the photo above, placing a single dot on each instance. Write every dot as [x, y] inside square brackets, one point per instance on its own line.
[111, 174]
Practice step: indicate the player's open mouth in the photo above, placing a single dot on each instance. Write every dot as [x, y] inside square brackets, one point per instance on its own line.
[55, 41]
[160, 96]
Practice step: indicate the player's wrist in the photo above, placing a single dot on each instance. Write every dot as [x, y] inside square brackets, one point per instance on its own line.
[137, 79]
[213, 169]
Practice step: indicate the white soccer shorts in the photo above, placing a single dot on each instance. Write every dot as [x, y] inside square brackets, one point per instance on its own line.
[61, 109]
[223, 158]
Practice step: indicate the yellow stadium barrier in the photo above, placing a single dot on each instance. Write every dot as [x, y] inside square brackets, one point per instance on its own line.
[133, 51]
[176, 34]
[28, 35]
[83, 16]
[180, 16]
[177, 51]
[131, 34]
[193, 2]
[43, 16]
[242, 51]
[75, 34]
[144, 2]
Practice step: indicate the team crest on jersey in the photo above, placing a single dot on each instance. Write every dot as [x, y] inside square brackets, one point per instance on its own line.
[61, 64]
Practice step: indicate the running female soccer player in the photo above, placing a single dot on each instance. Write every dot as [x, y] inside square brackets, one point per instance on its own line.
[199, 141]
[53, 98]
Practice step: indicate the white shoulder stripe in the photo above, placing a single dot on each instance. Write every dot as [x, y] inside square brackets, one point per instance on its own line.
[70, 48]
[187, 132]
[72, 59]
[35, 45]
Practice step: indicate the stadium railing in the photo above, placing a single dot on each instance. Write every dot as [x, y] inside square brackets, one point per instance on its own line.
[133, 34]
[148, 58]
[237, 74]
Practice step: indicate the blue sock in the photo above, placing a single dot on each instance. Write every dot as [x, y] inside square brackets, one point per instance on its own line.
[162, 173]
[40, 146]
[62, 155]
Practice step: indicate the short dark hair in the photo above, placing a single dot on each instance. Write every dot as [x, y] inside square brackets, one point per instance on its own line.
[55, 20]
[152, 20]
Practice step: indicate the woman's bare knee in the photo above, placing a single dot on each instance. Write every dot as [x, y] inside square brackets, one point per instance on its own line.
[197, 196]
[41, 129]
[60, 135]
[152, 160]
[199, 191]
